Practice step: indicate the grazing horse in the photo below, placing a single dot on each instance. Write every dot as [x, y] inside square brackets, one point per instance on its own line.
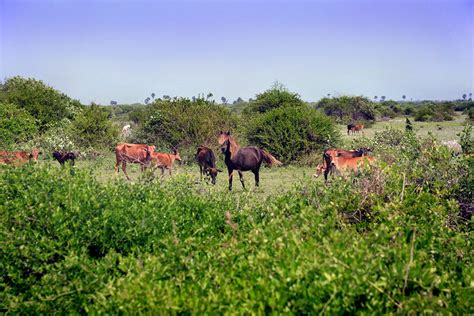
[62, 157]
[133, 153]
[243, 159]
[207, 163]
[164, 160]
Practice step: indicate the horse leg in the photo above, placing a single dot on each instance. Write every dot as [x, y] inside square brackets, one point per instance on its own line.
[231, 173]
[200, 173]
[169, 169]
[241, 175]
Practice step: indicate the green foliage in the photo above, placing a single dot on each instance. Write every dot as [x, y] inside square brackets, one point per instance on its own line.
[16, 125]
[290, 132]
[385, 242]
[44, 103]
[92, 128]
[277, 96]
[184, 122]
[346, 109]
[389, 109]
[436, 112]
[465, 139]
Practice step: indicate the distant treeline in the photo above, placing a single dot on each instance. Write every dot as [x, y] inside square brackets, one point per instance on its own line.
[34, 114]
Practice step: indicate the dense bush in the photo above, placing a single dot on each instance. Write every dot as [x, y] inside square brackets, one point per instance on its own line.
[16, 125]
[94, 129]
[290, 132]
[184, 122]
[346, 109]
[437, 112]
[389, 109]
[387, 242]
[44, 103]
[277, 96]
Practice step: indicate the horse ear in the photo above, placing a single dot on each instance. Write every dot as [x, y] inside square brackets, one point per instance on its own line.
[228, 133]
[221, 132]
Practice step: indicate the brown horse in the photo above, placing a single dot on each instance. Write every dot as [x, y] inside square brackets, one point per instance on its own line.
[243, 159]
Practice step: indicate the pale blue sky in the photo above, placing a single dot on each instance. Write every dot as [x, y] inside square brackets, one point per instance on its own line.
[125, 50]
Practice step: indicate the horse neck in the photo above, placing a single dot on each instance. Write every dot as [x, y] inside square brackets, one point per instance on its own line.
[233, 147]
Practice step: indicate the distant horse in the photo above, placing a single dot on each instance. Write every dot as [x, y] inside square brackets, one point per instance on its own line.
[207, 163]
[243, 159]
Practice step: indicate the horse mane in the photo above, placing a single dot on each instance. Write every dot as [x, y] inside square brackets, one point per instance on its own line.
[234, 146]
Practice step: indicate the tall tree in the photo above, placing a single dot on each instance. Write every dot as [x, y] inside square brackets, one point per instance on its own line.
[464, 96]
[404, 97]
[224, 100]
[375, 98]
[147, 100]
[153, 95]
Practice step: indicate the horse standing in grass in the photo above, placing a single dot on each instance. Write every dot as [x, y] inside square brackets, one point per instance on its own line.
[243, 159]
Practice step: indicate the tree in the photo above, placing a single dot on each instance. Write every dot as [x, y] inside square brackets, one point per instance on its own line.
[404, 97]
[346, 109]
[16, 125]
[382, 98]
[289, 132]
[464, 96]
[238, 101]
[94, 129]
[147, 100]
[113, 102]
[470, 96]
[275, 97]
[224, 100]
[166, 97]
[153, 95]
[375, 98]
[43, 102]
[209, 95]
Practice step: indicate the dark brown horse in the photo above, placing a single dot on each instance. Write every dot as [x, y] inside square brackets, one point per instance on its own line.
[243, 159]
[207, 163]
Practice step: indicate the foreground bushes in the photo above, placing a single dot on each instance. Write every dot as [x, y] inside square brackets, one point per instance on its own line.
[382, 243]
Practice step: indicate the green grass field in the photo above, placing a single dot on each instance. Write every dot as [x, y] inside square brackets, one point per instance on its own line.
[445, 130]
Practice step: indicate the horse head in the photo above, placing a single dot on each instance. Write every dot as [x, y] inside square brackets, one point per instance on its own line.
[223, 136]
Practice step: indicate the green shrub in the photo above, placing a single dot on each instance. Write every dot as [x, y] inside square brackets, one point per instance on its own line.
[291, 132]
[277, 96]
[185, 123]
[16, 125]
[437, 112]
[384, 242]
[44, 103]
[346, 109]
[92, 128]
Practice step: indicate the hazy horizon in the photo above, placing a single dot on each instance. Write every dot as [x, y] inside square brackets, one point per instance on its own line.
[98, 51]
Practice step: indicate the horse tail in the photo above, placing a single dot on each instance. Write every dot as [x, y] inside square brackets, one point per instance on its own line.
[269, 159]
